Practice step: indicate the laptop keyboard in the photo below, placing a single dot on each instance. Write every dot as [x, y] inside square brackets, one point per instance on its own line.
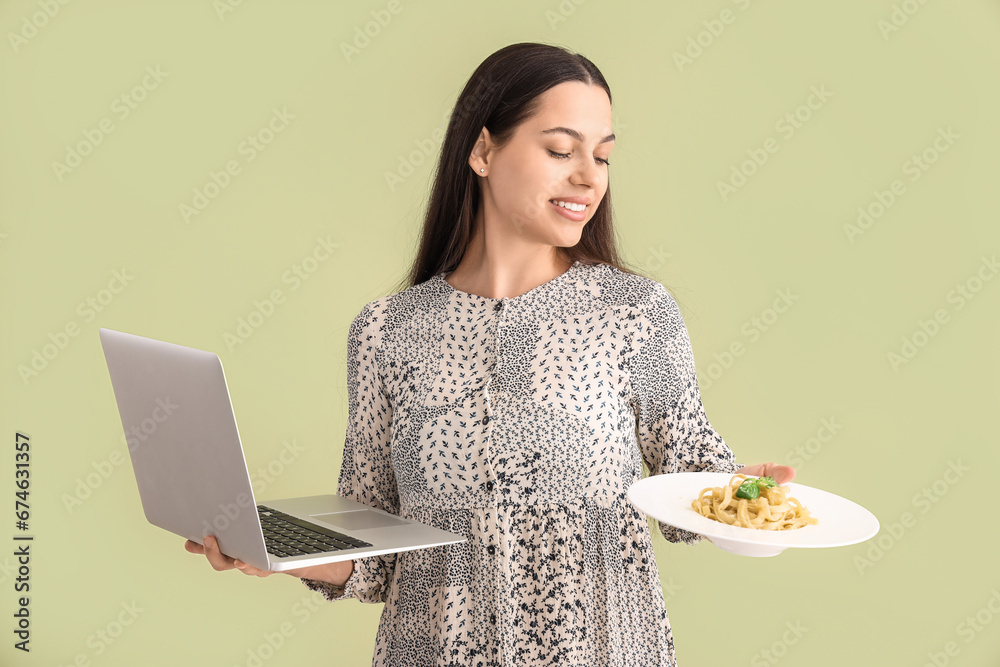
[286, 535]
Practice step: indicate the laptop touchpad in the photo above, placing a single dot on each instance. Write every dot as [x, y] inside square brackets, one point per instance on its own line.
[358, 519]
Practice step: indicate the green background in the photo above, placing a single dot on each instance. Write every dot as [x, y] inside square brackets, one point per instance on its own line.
[682, 127]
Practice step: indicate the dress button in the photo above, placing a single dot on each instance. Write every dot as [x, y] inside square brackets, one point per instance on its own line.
[486, 420]
[491, 549]
[498, 306]
[489, 485]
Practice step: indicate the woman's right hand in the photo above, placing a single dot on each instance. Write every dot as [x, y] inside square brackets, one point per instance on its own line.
[334, 573]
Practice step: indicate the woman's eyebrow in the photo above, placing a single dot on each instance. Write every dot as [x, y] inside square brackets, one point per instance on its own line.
[576, 135]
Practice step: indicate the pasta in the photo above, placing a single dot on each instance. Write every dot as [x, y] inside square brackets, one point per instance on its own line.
[753, 503]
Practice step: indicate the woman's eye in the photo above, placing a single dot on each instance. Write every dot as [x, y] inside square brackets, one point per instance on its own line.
[566, 155]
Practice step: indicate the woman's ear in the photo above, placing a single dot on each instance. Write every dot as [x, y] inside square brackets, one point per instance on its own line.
[479, 157]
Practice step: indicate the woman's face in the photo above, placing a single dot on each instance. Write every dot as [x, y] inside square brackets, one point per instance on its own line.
[557, 155]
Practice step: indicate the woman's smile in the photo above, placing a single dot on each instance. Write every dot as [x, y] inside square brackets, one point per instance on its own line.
[569, 208]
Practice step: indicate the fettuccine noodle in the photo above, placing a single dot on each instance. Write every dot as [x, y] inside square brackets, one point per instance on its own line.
[772, 510]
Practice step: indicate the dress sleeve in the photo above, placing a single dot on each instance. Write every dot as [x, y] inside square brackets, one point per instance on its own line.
[672, 429]
[366, 473]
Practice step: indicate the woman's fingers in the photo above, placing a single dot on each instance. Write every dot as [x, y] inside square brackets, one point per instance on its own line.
[247, 568]
[219, 560]
[781, 474]
[753, 471]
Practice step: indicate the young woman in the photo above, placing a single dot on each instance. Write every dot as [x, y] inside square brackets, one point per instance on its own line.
[511, 393]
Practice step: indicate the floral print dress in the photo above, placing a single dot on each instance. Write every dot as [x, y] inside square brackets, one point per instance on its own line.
[520, 423]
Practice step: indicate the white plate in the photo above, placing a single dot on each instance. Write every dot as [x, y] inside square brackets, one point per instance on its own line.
[668, 498]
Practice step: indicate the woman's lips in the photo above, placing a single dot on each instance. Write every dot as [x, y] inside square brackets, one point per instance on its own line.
[575, 216]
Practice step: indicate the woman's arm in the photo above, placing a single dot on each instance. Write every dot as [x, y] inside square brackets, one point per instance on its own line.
[672, 429]
[366, 473]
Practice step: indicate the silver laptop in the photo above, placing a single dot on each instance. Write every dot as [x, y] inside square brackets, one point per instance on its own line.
[193, 478]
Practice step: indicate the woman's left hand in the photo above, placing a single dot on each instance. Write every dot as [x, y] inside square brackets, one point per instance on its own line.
[781, 474]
